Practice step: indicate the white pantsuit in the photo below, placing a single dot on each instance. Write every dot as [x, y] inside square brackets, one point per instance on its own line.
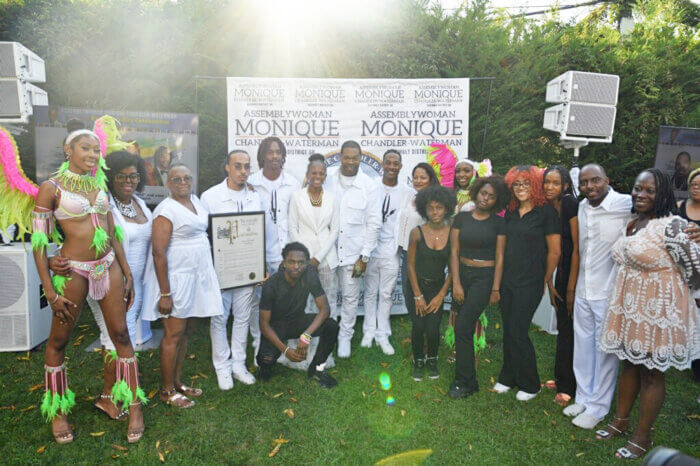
[317, 229]
[360, 221]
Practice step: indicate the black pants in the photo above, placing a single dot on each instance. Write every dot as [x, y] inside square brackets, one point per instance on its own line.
[286, 329]
[518, 305]
[477, 283]
[564, 356]
[425, 327]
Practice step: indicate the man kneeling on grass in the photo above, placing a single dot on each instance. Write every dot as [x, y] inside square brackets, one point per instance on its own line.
[282, 316]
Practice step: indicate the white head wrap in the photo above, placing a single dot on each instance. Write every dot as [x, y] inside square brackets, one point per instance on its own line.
[80, 132]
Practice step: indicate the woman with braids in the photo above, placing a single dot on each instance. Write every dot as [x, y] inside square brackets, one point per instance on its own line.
[76, 196]
[533, 247]
[428, 257]
[559, 193]
[651, 320]
[478, 240]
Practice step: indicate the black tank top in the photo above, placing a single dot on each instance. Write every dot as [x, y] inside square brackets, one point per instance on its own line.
[431, 263]
[683, 213]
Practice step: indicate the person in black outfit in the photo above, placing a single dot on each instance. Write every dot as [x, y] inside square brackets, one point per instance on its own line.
[477, 243]
[282, 316]
[689, 209]
[559, 193]
[533, 247]
[428, 256]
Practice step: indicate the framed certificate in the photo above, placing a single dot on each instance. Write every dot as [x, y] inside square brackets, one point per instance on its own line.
[238, 248]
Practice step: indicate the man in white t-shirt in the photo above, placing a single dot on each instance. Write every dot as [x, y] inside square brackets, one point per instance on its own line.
[275, 187]
[233, 196]
[383, 266]
[360, 222]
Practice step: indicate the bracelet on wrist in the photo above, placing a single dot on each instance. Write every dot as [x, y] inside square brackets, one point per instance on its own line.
[497, 291]
[166, 295]
[418, 298]
[53, 301]
[285, 351]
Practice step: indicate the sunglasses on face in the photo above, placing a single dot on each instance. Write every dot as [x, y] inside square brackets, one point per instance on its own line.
[181, 180]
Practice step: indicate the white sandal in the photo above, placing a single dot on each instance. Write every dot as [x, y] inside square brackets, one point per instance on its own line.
[625, 452]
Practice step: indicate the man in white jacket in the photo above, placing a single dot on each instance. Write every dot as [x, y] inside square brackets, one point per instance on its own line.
[360, 222]
[233, 196]
[383, 267]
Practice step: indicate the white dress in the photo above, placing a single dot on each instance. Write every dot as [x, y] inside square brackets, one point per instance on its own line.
[193, 283]
[137, 246]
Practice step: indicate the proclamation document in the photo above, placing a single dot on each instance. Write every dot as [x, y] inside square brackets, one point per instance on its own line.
[238, 248]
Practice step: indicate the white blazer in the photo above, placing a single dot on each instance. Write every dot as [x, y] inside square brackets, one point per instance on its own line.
[317, 235]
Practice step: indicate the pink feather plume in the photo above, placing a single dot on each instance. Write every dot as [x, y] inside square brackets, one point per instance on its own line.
[9, 159]
[443, 160]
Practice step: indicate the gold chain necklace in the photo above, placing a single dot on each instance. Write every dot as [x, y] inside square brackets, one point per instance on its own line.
[318, 200]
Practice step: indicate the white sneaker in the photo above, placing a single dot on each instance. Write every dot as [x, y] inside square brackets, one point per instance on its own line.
[500, 388]
[366, 341]
[385, 346]
[524, 396]
[585, 421]
[343, 348]
[241, 373]
[225, 380]
[573, 410]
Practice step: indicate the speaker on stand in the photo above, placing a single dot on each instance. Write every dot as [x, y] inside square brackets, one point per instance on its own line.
[25, 315]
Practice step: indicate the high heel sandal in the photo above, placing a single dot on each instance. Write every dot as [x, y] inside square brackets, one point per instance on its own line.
[626, 454]
[175, 398]
[101, 409]
[611, 431]
[63, 437]
[134, 435]
[188, 391]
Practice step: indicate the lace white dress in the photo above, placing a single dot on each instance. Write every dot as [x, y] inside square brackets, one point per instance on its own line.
[652, 316]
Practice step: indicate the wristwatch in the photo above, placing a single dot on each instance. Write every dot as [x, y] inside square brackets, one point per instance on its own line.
[365, 259]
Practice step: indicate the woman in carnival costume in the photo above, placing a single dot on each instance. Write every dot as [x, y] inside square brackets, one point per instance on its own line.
[76, 196]
[459, 175]
[126, 174]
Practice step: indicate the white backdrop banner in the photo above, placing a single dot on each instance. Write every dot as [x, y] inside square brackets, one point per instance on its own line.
[317, 115]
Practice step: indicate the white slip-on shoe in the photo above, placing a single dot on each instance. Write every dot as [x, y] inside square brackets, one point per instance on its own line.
[385, 346]
[585, 421]
[524, 396]
[573, 410]
[241, 374]
[500, 388]
[225, 380]
[343, 348]
[366, 341]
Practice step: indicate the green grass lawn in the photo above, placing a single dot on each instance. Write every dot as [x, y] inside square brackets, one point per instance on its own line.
[350, 424]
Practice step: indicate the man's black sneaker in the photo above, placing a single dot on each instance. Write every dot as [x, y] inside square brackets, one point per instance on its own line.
[431, 364]
[418, 369]
[460, 391]
[323, 378]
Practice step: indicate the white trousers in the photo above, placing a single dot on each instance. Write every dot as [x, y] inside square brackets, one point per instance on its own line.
[595, 370]
[329, 282]
[380, 281]
[243, 304]
[350, 289]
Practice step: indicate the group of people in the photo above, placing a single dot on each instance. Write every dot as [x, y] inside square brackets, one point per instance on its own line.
[620, 271]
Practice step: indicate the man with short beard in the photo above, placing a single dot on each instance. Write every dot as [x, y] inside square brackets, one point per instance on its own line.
[360, 222]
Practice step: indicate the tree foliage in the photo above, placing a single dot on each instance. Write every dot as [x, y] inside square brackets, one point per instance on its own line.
[144, 55]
